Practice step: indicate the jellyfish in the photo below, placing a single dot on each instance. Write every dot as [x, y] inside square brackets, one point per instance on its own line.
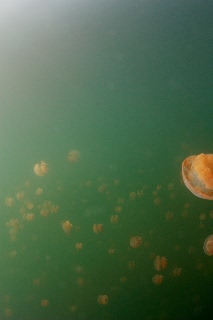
[135, 242]
[40, 169]
[74, 156]
[103, 299]
[197, 173]
[97, 228]
[44, 303]
[157, 279]
[208, 245]
[67, 226]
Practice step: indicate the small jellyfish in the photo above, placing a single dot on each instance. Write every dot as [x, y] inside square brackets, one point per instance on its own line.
[208, 245]
[41, 169]
[30, 216]
[44, 303]
[157, 279]
[135, 242]
[177, 272]
[74, 156]
[157, 263]
[10, 202]
[103, 299]
[79, 245]
[97, 228]
[114, 219]
[67, 226]
[197, 173]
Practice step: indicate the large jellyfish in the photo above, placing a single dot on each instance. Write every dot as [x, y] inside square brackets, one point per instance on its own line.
[197, 173]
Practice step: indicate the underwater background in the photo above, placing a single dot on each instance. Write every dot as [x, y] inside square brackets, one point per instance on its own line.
[126, 87]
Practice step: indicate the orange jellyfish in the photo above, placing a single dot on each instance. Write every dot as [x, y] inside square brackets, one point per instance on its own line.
[97, 228]
[208, 245]
[197, 173]
[157, 263]
[135, 242]
[67, 226]
[157, 279]
[40, 169]
[74, 156]
[44, 303]
[103, 299]
[10, 202]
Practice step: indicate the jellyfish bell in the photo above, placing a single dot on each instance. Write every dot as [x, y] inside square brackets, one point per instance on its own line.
[208, 246]
[197, 173]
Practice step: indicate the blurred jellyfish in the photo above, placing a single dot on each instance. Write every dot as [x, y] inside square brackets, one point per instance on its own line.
[74, 156]
[208, 245]
[135, 242]
[41, 169]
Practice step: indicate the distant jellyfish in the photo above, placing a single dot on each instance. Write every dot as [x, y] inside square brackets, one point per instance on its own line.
[79, 245]
[197, 173]
[41, 169]
[164, 262]
[157, 279]
[177, 272]
[135, 242]
[74, 156]
[97, 228]
[67, 226]
[103, 299]
[157, 263]
[10, 202]
[39, 191]
[114, 219]
[44, 303]
[208, 245]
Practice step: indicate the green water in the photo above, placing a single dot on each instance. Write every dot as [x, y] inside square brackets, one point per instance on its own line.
[129, 85]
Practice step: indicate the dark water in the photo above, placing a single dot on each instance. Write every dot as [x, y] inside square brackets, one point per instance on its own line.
[129, 85]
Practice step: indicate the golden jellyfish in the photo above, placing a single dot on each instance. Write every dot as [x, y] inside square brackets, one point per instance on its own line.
[160, 263]
[74, 156]
[54, 209]
[36, 282]
[10, 202]
[114, 219]
[44, 212]
[118, 209]
[30, 216]
[164, 262]
[123, 279]
[13, 254]
[111, 251]
[131, 265]
[169, 216]
[197, 173]
[135, 242]
[20, 195]
[97, 228]
[80, 281]
[157, 279]
[39, 191]
[157, 263]
[44, 303]
[157, 201]
[67, 226]
[103, 299]
[177, 272]
[29, 205]
[132, 195]
[208, 245]
[8, 312]
[41, 169]
[79, 245]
